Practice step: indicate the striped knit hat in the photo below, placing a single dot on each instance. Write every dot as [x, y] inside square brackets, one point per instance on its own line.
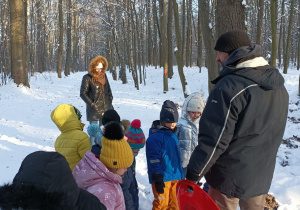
[135, 135]
[115, 152]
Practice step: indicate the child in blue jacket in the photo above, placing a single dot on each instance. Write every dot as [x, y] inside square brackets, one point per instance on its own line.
[163, 158]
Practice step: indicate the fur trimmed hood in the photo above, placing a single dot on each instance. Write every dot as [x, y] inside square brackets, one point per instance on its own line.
[95, 61]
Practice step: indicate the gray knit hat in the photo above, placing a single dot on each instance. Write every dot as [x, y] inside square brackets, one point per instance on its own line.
[196, 103]
[232, 40]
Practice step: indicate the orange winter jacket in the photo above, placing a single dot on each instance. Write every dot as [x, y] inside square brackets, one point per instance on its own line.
[72, 143]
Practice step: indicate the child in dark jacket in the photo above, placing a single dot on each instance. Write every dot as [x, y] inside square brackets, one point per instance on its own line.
[163, 158]
[136, 139]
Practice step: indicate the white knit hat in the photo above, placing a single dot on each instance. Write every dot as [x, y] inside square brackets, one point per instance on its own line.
[196, 104]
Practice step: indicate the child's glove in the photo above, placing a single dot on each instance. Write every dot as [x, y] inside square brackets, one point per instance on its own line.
[159, 183]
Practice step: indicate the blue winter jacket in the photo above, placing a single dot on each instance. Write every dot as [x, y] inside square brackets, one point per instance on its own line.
[162, 153]
[130, 188]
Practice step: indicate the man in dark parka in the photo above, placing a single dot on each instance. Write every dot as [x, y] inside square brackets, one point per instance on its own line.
[241, 127]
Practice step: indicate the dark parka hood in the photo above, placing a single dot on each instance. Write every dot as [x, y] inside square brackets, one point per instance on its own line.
[44, 181]
[267, 77]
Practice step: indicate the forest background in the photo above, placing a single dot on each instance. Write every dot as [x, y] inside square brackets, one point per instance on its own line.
[64, 35]
[60, 37]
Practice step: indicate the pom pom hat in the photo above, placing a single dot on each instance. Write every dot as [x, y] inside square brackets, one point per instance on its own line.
[115, 152]
[135, 135]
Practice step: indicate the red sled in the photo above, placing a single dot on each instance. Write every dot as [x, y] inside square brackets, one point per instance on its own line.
[191, 197]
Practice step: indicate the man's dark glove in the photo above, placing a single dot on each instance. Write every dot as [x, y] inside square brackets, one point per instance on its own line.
[192, 177]
[159, 183]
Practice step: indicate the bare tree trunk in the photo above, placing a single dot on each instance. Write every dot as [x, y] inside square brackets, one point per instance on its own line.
[274, 11]
[189, 35]
[183, 30]
[164, 51]
[122, 72]
[209, 42]
[155, 21]
[170, 40]
[17, 41]
[40, 38]
[69, 41]
[132, 47]
[61, 37]
[288, 39]
[230, 15]
[281, 33]
[75, 40]
[178, 53]
[199, 58]
[260, 14]
[298, 57]
[4, 51]
[149, 38]
[26, 56]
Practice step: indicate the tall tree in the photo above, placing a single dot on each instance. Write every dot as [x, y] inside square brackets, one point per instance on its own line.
[4, 27]
[69, 41]
[18, 44]
[183, 28]
[199, 41]
[156, 31]
[164, 51]
[188, 50]
[281, 35]
[75, 39]
[274, 11]
[149, 36]
[230, 14]
[288, 39]
[209, 42]
[260, 13]
[61, 39]
[170, 40]
[178, 53]
[298, 57]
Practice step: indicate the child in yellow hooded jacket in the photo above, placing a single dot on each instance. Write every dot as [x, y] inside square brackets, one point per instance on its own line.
[72, 143]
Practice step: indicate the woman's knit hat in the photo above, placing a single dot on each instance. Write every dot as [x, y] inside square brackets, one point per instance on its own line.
[168, 113]
[115, 152]
[232, 40]
[135, 135]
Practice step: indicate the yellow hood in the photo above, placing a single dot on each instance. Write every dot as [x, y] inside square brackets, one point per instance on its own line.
[65, 118]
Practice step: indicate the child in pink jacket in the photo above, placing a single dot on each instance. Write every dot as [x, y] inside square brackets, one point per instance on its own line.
[103, 177]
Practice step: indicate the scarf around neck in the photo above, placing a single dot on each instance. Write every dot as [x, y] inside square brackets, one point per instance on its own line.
[100, 78]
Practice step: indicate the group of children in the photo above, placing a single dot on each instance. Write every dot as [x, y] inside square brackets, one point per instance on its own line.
[103, 162]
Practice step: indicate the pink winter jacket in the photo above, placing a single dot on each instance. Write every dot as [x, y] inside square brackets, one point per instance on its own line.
[92, 175]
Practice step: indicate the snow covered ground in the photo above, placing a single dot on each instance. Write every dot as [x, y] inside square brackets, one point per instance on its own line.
[25, 124]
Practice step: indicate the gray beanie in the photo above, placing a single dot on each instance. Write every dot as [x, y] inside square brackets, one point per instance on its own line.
[232, 40]
[196, 104]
